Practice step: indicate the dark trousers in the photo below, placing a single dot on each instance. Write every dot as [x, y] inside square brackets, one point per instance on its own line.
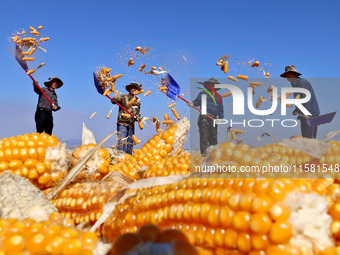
[44, 121]
[306, 130]
[208, 133]
[125, 145]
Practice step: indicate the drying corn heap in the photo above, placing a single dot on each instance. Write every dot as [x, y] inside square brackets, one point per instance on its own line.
[41, 158]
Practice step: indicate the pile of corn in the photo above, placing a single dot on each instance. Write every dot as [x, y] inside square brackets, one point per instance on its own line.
[161, 146]
[263, 216]
[96, 168]
[40, 158]
[106, 81]
[47, 237]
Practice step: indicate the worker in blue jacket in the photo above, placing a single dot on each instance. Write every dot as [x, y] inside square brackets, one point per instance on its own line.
[312, 106]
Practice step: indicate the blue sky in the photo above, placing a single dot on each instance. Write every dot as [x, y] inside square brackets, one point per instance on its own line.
[87, 34]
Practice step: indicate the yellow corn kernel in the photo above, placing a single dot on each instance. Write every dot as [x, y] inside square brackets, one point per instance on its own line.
[44, 39]
[141, 67]
[131, 62]
[140, 123]
[117, 76]
[232, 78]
[132, 101]
[259, 101]
[175, 113]
[93, 114]
[226, 94]
[172, 105]
[158, 124]
[225, 67]
[255, 83]
[32, 50]
[167, 121]
[255, 64]
[135, 139]
[116, 95]
[27, 58]
[147, 93]
[242, 77]
[106, 92]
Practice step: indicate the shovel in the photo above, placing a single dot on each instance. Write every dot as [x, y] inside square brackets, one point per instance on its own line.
[23, 64]
[101, 91]
[173, 90]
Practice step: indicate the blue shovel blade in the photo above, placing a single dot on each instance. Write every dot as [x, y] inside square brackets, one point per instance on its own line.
[18, 57]
[173, 88]
[319, 120]
[96, 83]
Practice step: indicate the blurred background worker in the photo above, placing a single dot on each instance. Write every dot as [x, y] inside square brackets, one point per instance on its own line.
[43, 114]
[312, 106]
[125, 122]
[207, 131]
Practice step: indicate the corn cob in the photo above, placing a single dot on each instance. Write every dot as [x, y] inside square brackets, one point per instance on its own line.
[267, 75]
[132, 101]
[255, 64]
[106, 92]
[232, 78]
[116, 94]
[20, 199]
[40, 27]
[226, 94]
[147, 93]
[48, 237]
[96, 168]
[167, 121]
[93, 114]
[250, 215]
[162, 145]
[27, 58]
[242, 77]
[44, 39]
[153, 67]
[270, 89]
[131, 62]
[154, 119]
[117, 76]
[158, 124]
[255, 83]
[140, 123]
[259, 101]
[30, 71]
[40, 158]
[175, 113]
[140, 91]
[83, 202]
[135, 139]
[166, 116]
[225, 67]
[141, 67]
[172, 105]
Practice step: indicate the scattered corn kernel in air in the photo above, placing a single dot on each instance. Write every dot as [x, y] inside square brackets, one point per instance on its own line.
[135, 139]
[93, 114]
[242, 77]
[255, 64]
[175, 113]
[226, 94]
[172, 105]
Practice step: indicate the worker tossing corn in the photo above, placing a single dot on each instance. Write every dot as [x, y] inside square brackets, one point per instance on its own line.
[43, 114]
[126, 122]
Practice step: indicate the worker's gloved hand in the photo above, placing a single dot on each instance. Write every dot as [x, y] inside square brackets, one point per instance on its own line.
[114, 101]
[190, 104]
